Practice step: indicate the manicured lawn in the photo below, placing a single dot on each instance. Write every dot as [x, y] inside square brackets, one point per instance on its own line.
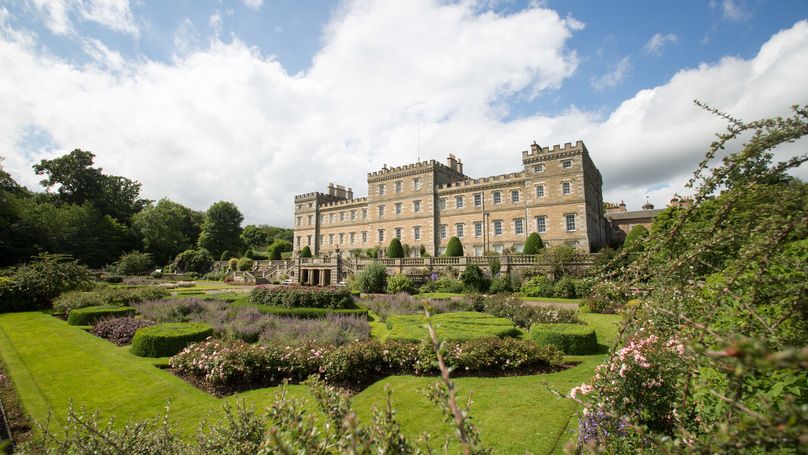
[52, 364]
[462, 325]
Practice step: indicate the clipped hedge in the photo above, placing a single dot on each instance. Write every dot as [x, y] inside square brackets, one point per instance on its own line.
[91, 314]
[162, 340]
[573, 339]
[303, 297]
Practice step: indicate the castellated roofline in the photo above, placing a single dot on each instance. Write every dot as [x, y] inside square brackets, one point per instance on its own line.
[358, 200]
[568, 147]
[502, 178]
[421, 165]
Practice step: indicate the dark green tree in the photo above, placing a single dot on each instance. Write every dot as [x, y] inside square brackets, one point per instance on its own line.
[226, 255]
[533, 243]
[275, 253]
[221, 229]
[635, 238]
[305, 252]
[474, 280]
[395, 250]
[166, 229]
[255, 237]
[79, 182]
[454, 248]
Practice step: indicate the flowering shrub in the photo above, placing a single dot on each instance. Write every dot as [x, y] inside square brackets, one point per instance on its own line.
[406, 304]
[638, 385]
[179, 310]
[441, 284]
[606, 297]
[119, 330]
[538, 286]
[399, 283]
[223, 363]
[524, 315]
[302, 297]
[334, 330]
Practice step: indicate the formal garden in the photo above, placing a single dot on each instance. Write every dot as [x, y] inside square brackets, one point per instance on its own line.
[689, 338]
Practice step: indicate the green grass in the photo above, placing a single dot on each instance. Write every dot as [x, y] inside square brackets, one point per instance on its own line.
[462, 325]
[53, 364]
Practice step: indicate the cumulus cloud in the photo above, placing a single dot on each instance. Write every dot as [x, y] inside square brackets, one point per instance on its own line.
[223, 121]
[113, 14]
[613, 77]
[657, 42]
[734, 12]
[254, 4]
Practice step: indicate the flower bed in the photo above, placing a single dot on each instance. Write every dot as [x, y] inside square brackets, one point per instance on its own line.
[119, 330]
[106, 296]
[524, 315]
[226, 366]
[463, 325]
[303, 297]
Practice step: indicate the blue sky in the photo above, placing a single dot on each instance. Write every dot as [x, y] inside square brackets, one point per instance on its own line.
[484, 79]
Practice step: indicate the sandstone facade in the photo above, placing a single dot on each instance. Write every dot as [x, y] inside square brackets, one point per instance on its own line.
[556, 193]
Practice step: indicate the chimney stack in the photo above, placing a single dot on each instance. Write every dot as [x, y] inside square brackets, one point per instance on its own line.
[451, 161]
[349, 194]
[534, 147]
[331, 189]
[459, 166]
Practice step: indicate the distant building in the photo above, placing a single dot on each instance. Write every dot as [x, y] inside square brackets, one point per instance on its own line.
[621, 221]
[556, 193]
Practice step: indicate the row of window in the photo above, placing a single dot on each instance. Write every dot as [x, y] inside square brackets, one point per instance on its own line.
[443, 230]
[399, 186]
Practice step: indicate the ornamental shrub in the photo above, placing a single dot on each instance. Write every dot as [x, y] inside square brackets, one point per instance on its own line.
[134, 263]
[89, 315]
[399, 283]
[199, 261]
[572, 339]
[564, 288]
[302, 297]
[119, 330]
[167, 339]
[332, 330]
[244, 264]
[395, 250]
[226, 255]
[442, 284]
[275, 253]
[538, 286]
[533, 243]
[249, 254]
[372, 279]
[500, 284]
[305, 252]
[524, 315]
[635, 238]
[311, 313]
[474, 280]
[232, 263]
[454, 248]
[34, 285]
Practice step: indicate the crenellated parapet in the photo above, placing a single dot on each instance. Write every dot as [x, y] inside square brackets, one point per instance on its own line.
[538, 153]
[347, 203]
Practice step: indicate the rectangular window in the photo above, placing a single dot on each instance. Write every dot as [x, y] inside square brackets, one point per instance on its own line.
[442, 203]
[443, 231]
[364, 236]
[460, 228]
[498, 227]
[300, 220]
[518, 226]
[398, 187]
[309, 219]
[381, 190]
[416, 233]
[364, 214]
[541, 224]
[352, 236]
[478, 250]
[330, 239]
[565, 188]
[353, 215]
[298, 241]
[514, 196]
[416, 206]
[330, 217]
[341, 238]
[570, 217]
[381, 235]
[308, 240]
[540, 191]
[538, 167]
[381, 211]
[342, 216]
[322, 239]
[478, 229]
[321, 219]
[398, 233]
[398, 208]
[478, 200]
[566, 164]
[459, 202]
[497, 197]
[416, 183]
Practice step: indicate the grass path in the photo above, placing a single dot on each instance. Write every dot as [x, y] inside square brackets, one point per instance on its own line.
[53, 364]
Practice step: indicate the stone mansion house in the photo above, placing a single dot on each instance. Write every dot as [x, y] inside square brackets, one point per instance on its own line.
[557, 193]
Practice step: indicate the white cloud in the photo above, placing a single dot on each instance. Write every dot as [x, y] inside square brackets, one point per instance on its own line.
[254, 4]
[613, 77]
[734, 12]
[186, 38]
[225, 122]
[657, 42]
[113, 14]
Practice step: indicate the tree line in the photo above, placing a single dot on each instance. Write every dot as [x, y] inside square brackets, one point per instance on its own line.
[97, 218]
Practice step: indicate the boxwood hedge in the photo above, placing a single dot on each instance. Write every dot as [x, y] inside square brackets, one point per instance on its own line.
[573, 339]
[303, 297]
[91, 314]
[161, 340]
